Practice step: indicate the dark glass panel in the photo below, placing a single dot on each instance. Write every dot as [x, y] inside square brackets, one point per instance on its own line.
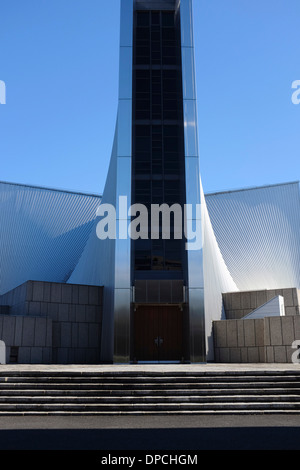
[168, 19]
[155, 18]
[142, 18]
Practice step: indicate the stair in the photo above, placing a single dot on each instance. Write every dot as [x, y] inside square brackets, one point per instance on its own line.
[130, 393]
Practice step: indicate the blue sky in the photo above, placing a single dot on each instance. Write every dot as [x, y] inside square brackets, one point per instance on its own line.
[59, 60]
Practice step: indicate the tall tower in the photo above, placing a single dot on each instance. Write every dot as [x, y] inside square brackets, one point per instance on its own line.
[154, 303]
[168, 297]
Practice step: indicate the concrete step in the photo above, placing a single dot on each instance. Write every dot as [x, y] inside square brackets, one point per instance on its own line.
[147, 386]
[149, 393]
[135, 401]
[158, 407]
[123, 380]
[123, 393]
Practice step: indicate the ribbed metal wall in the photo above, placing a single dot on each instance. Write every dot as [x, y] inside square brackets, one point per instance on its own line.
[258, 232]
[42, 233]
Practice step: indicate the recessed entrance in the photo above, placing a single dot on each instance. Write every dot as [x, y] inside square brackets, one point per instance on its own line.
[158, 333]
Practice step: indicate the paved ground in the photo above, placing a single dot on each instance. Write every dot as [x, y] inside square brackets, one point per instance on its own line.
[152, 433]
[151, 367]
[189, 433]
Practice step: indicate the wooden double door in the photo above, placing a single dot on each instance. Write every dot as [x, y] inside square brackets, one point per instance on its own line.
[158, 333]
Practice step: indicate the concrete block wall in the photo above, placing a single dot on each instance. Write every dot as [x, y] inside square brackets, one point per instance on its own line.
[239, 304]
[28, 340]
[74, 310]
[267, 340]
[280, 333]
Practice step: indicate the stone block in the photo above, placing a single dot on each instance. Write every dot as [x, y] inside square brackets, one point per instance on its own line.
[66, 293]
[280, 354]
[297, 295]
[94, 335]
[253, 355]
[249, 329]
[288, 295]
[91, 313]
[47, 292]
[62, 355]
[224, 355]
[253, 300]
[47, 356]
[271, 294]
[75, 294]
[18, 331]
[290, 311]
[63, 312]
[53, 311]
[217, 355]
[80, 356]
[72, 313]
[28, 331]
[34, 308]
[270, 354]
[237, 314]
[259, 325]
[29, 291]
[92, 356]
[289, 354]
[236, 301]
[74, 335]
[71, 356]
[244, 355]
[38, 292]
[230, 315]
[44, 309]
[36, 355]
[80, 313]
[83, 335]
[275, 331]
[40, 332]
[8, 330]
[246, 312]
[56, 335]
[296, 321]
[227, 302]
[246, 301]
[83, 297]
[262, 354]
[267, 339]
[231, 333]
[55, 293]
[49, 333]
[66, 335]
[279, 292]
[261, 298]
[240, 333]
[288, 334]
[24, 355]
[220, 333]
[94, 297]
[235, 355]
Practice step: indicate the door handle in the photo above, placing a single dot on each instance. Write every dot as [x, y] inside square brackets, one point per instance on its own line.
[158, 341]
